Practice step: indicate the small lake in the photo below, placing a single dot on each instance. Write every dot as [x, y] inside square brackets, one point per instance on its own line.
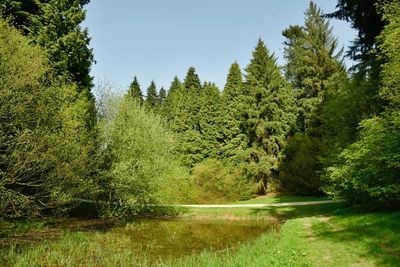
[171, 239]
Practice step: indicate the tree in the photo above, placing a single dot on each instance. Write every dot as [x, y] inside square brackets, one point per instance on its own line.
[19, 12]
[210, 120]
[235, 140]
[141, 165]
[368, 170]
[47, 155]
[152, 97]
[366, 19]
[269, 114]
[316, 73]
[134, 91]
[313, 65]
[57, 29]
[173, 103]
[161, 96]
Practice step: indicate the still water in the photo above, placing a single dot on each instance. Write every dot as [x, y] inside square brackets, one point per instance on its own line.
[171, 239]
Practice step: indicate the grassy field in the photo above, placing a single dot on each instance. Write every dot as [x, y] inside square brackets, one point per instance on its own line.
[318, 235]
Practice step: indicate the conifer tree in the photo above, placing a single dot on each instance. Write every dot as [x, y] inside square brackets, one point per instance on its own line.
[269, 114]
[313, 67]
[161, 96]
[210, 119]
[152, 97]
[57, 29]
[173, 104]
[135, 92]
[235, 140]
[316, 73]
[189, 127]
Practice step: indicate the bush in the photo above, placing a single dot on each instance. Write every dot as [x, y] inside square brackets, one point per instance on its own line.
[45, 148]
[140, 169]
[215, 181]
[368, 170]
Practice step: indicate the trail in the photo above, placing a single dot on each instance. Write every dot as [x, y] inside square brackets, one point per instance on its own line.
[283, 204]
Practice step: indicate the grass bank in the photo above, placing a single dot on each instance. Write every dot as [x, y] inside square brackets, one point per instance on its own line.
[318, 235]
[323, 235]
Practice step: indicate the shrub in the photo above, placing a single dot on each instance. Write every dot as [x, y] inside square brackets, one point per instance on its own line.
[45, 148]
[140, 169]
[215, 181]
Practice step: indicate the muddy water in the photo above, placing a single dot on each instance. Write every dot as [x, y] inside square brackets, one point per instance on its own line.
[170, 239]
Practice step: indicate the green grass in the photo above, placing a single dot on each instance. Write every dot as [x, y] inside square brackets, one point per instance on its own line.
[270, 200]
[323, 235]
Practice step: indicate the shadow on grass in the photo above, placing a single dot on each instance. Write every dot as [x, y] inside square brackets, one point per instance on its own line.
[290, 212]
[378, 232]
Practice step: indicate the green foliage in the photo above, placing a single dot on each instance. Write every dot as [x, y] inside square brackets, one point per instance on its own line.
[46, 152]
[139, 159]
[235, 140]
[323, 102]
[366, 19]
[269, 115]
[161, 96]
[367, 170]
[134, 91]
[57, 29]
[215, 181]
[19, 12]
[297, 170]
[173, 104]
[312, 67]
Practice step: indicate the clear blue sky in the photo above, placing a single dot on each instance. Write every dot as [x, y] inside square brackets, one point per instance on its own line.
[156, 40]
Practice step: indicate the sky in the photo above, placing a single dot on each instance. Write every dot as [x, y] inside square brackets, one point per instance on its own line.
[158, 39]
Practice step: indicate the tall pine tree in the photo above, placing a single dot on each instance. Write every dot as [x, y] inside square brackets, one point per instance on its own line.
[152, 96]
[134, 91]
[235, 140]
[316, 73]
[313, 65]
[269, 114]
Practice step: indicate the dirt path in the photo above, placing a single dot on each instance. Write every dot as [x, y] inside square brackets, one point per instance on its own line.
[283, 204]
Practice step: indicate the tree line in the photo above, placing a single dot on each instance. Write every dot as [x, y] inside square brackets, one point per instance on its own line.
[311, 127]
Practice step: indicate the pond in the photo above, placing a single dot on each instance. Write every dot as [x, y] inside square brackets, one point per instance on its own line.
[149, 240]
[170, 239]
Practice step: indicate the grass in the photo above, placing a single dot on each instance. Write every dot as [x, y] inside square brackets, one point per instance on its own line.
[317, 235]
[322, 235]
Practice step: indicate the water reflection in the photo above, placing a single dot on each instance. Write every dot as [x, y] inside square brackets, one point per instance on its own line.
[169, 239]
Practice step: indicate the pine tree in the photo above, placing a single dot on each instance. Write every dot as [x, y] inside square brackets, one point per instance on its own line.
[189, 127]
[235, 140]
[316, 73]
[313, 67]
[173, 103]
[210, 119]
[269, 114]
[19, 12]
[192, 81]
[134, 91]
[152, 97]
[161, 96]
[57, 29]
